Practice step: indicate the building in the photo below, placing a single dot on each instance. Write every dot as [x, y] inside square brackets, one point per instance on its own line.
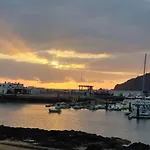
[36, 90]
[8, 87]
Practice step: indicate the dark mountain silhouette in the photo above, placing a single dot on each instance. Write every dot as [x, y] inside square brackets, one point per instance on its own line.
[135, 84]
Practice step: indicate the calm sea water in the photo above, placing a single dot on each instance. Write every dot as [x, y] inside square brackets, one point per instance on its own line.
[99, 122]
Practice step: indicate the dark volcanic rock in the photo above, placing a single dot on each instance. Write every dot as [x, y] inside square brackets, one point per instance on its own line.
[95, 147]
[135, 84]
[66, 139]
[137, 146]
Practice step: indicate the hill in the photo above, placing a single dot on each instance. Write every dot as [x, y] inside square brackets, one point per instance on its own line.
[135, 84]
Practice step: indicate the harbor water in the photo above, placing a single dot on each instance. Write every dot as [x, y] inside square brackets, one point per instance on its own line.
[111, 124]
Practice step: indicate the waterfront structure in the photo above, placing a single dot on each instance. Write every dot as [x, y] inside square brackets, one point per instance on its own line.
[36, 90]
[9, 87]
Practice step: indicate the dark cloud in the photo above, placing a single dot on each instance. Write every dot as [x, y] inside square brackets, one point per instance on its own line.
[47, 74]
[118, 27]
[46, 55]
[128, 63]
[86, 25]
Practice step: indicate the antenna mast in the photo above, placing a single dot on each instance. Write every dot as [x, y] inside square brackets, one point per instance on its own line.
[143, 86]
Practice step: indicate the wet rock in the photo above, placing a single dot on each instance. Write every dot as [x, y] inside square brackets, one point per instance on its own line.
[67, 139]
[137, 146]
[115, 143]
[2, 137]
[95, 147]
[121, 141]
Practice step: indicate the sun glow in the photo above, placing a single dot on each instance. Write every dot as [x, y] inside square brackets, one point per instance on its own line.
[13, 47]
[63, 85]
[56, 64]
[74, 54]
[28, 57]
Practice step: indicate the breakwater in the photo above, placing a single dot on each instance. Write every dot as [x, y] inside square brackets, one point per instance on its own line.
[47, 98]
[66, 139]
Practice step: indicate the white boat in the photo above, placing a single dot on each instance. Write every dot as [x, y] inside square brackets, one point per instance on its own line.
[115, 107]
[100, 106]
[135, 101]
[77, 107]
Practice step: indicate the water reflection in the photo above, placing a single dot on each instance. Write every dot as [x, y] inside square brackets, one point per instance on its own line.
[99, 122]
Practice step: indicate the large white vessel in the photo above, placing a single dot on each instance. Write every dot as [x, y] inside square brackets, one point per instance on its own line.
[142, 105]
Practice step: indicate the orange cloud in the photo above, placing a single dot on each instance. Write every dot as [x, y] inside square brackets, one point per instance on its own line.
[56, 64]
[13, 47]
[108, 84]
[74, 54]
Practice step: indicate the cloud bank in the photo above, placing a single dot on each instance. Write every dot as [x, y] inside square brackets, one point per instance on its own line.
[54, 41]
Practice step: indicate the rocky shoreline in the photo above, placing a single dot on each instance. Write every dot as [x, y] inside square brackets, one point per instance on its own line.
[67, 140]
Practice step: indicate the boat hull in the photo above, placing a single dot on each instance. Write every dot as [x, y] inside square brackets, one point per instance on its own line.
[54, 111]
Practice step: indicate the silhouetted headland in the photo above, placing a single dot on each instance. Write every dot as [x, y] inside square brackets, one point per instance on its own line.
[135, 84]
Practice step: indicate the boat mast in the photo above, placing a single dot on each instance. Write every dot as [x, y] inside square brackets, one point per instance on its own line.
[143, 86]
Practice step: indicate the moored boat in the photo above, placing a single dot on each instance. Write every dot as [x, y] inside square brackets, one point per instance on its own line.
[62, 106]
[77, 107]
[125, 107]
[95, 107]
[92, 108]
[140, 113]
[141, 110]
[115, 107]
[54, 110]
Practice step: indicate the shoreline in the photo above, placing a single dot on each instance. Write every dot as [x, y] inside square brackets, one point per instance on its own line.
[34, 138]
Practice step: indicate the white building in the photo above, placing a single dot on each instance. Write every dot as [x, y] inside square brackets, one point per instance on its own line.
[8, 86]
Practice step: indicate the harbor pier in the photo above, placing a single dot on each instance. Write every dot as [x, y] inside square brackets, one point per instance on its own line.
[52, 98]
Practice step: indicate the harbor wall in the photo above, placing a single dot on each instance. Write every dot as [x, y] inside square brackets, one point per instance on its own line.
[53, 98]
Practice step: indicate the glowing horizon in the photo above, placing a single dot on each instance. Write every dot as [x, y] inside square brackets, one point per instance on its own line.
[65, 85]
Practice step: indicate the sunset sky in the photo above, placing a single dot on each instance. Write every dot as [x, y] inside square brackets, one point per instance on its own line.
[63, 43]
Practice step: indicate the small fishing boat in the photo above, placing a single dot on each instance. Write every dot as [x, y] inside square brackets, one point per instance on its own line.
[114, 107]
[54, 110]
[48, 105]
[100, 106]
[62, 106]
[77, 107]
[92, 108]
